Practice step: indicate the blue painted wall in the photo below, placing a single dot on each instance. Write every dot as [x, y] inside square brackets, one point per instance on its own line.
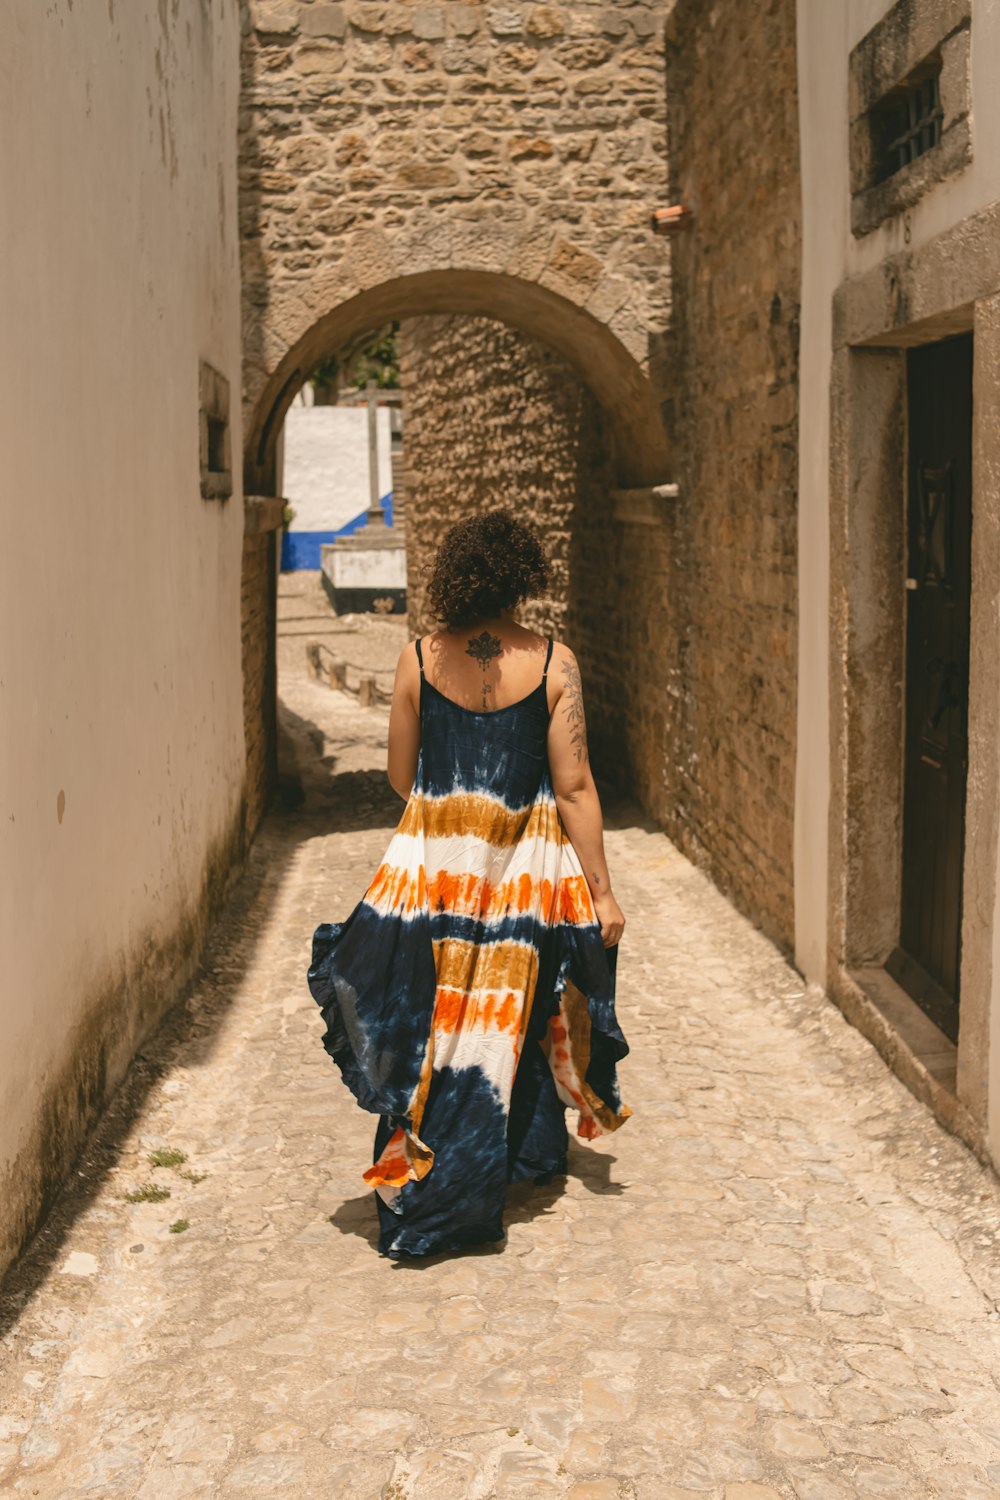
[300, 549]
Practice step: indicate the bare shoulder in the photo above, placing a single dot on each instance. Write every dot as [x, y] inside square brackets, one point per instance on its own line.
[408, 670]
[408, 659]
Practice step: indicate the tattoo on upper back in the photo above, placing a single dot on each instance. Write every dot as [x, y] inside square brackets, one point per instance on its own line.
[575, 720]
[484, 648]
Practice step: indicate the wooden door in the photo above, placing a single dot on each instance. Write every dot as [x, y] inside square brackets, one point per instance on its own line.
[939, 530]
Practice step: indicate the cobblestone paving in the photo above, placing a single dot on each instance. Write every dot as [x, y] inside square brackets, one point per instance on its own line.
[367, 644]
[778, 1280]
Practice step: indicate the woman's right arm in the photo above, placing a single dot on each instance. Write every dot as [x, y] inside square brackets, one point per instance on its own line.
[404, 723]
[576, 795]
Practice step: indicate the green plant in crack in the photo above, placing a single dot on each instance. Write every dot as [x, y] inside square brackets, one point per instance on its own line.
[149, 1192]
[179, 1226]
[166, 1156]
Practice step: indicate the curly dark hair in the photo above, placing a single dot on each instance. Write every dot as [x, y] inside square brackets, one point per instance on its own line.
[487, 563]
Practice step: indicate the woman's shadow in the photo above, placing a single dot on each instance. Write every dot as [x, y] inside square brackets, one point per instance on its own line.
[525, 1201]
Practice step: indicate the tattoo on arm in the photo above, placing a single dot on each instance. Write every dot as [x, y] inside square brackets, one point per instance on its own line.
[574, 709]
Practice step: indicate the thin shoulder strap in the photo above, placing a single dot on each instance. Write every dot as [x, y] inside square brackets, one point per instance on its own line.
[548, 658]
[420, 654]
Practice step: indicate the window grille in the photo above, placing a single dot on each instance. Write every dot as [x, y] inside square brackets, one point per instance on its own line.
[907, 122]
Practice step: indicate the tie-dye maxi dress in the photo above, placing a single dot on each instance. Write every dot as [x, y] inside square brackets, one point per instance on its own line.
[468, 998]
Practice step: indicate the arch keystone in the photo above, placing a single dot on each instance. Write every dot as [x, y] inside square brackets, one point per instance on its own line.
[482, 246]
[371, 257]
[610, 358]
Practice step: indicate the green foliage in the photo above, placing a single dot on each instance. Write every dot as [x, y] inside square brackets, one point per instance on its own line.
[179, 1226]
[326, 371]
[166, 1156]
[377, 359]
[148, 1193]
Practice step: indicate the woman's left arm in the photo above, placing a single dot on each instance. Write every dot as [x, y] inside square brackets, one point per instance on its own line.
[404, 723]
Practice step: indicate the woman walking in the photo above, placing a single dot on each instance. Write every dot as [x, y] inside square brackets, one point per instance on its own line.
[469, 997]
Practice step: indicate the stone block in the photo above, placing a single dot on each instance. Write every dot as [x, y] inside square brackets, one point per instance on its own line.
[429, 25]
[480, 143]
[645, 20]
[426, 245]
[530, 147]
[505, 20]
[632, 333]
[547, 21]
[609, 295]
[324, 20]
[613, 23]
[307, 153]
[427, 175]
[370, 257]
[315, 58]
[573, 264]
[366, 15]
[482, 246]
[463, 20]
[955, 83]
[275, 19]
[585, 52]
[530, 253]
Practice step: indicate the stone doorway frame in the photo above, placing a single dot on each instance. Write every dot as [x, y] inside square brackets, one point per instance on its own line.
[951, 285]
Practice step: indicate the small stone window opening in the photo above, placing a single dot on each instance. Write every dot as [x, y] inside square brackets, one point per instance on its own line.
[907, 121]
[214, 443]
[909, 107]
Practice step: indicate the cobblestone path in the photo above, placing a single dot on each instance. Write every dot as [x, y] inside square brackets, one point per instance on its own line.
[778, 1280]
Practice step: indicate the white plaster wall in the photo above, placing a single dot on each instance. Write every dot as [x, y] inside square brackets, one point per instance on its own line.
[121, 731]
[360, 567]
[826, 34]
[325, 457]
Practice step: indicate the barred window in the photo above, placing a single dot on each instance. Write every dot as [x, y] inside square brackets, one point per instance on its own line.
[906, 122]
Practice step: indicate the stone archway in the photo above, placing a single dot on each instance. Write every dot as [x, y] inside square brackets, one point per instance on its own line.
[598, 349]
[617, 376]
[402, 159]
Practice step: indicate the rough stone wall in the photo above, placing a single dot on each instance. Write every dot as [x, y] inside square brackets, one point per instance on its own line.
[384, 138]
[732, 107]
[493, 417]
[373, 112]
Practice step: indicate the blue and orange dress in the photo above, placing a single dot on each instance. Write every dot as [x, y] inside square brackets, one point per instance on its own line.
[468, 998]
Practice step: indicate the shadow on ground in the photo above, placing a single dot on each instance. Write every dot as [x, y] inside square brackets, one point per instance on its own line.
[525, 1201]
[312, 798]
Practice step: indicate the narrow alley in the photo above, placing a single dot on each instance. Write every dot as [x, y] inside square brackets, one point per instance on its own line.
[778, 1280]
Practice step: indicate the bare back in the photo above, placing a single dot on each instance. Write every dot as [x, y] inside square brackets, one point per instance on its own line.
[484, 669]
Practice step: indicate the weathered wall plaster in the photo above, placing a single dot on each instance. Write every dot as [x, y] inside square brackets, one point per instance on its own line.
[121, 701]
